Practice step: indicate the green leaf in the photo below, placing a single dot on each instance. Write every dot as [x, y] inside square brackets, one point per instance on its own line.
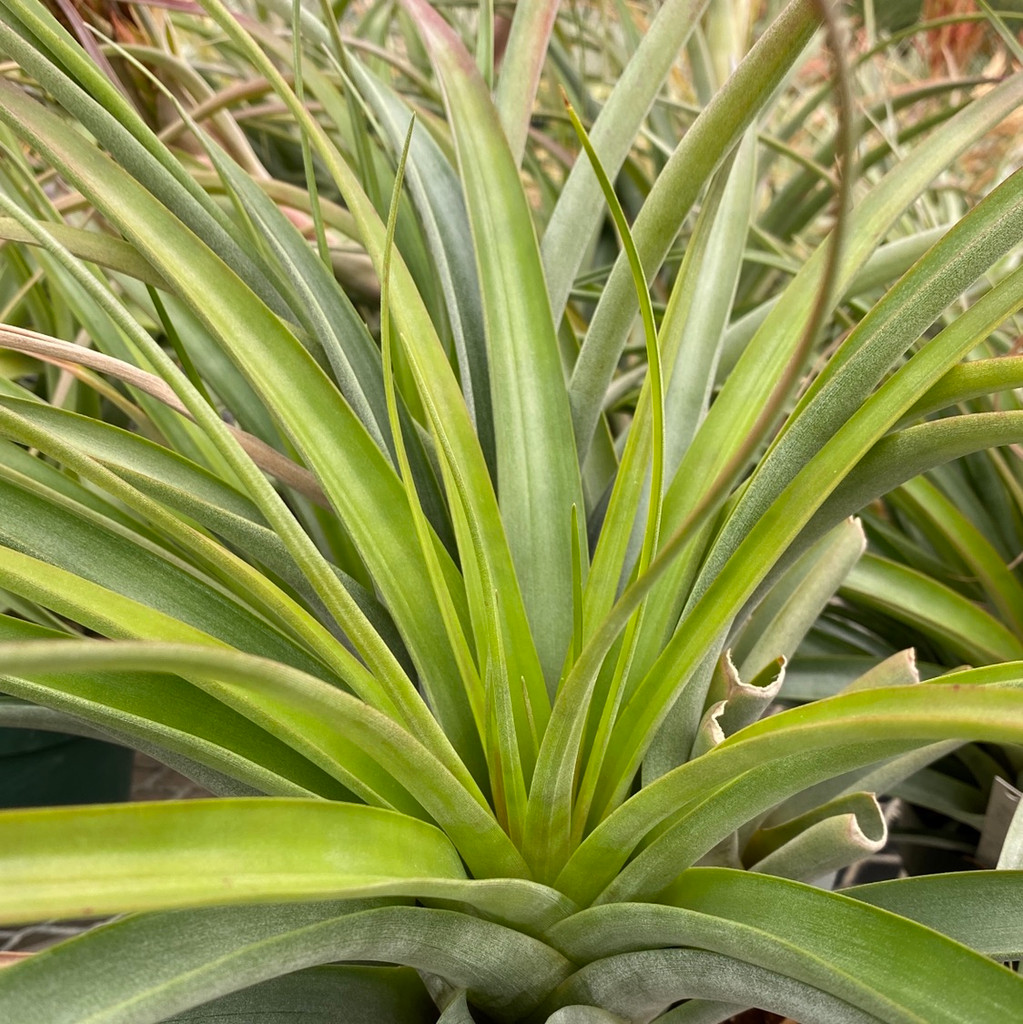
[354, 471]
[654, 389]
[482, 541]
[87, 862]
[320, 306]
[907, 453]
[648, 982]
[793, 604]
[325, 995]
[46, 51]
[583, 1015]
[219, 950]
[172, 720]
[81, 543]
[1011, 855]
[701, 151]
[824, 940]
[894, 324]
[360, 746]
[968, 380]
[702, 1011]
[524, 54]
[174, 482]
[968, 632]
[946, 525]
[577, 212]
[20, 714]
[537, 467]
[770, 760]
[457, 1011]
[765, 539]
[90, 246]
[981, 909]
[827, 839]
[437, 197]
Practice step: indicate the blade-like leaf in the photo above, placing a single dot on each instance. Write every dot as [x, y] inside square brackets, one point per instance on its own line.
[818, 938]
[87, 862]
[981, 909]
[577, 211]
[648, 982]
[213, 951]
[537, 468]
[360, 746]
[764, 763]
[703, 148]
[324, 995]
[916, 599]
[370, 498]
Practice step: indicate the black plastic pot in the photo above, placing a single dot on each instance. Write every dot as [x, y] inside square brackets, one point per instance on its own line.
[48, 769]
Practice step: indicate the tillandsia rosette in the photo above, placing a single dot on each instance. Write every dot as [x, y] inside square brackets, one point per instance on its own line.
[506, 455]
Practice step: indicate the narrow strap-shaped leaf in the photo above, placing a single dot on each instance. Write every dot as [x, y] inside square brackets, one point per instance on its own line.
[104, 250]
[174, 482]
[702, 149]
[942, 520]
[362, 747]
[167, 717]
[468, 673]
[968, 987]
[369, 496]
[968, 380]
[791, 751]
[322, 307]
[689, 342]
[82, 543]
[56, 352]
[495, 719]
[792, 605]
[537, 468]
[992, 229]
[981, 909]
[115, 446]
[813, 936]
[988, 232]
[561, 792]
[651, 980]
[822, 842]
[887, 262]
[437, 197]
[912, 597]
[237, 573]
[46, 53]
[482, 538]
[905, 454]
[87, 862]
[945, 274]
[213, 951]
[702, 1011]
[524, 55]
[334, 994]
[576, 211]
[581, 1014]
[20, 714]
[780, 523]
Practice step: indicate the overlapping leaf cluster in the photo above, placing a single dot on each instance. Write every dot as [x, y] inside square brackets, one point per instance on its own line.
[338, 473]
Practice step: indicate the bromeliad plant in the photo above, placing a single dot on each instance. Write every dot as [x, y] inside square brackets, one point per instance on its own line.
[477, 674]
